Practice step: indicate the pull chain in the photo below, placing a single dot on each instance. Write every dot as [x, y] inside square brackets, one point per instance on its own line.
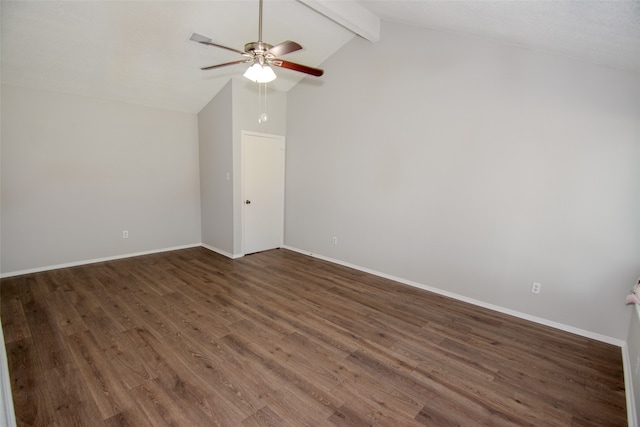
[263, 116]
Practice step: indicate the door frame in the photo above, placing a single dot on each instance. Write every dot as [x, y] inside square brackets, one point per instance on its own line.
[243, 134]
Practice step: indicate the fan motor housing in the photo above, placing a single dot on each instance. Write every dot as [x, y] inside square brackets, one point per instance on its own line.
[259, 47]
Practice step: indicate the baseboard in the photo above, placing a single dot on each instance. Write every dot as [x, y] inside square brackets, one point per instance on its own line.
[7, 414]
[546, 322]
[632, 419]
[92, 261]
[626, 363]
[221, 252]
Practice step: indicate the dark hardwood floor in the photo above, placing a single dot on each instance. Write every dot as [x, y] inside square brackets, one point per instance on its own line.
[190, 338]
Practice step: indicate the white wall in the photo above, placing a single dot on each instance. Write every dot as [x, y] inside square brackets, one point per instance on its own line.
[475, 168]
[78, 171]
[216, 161]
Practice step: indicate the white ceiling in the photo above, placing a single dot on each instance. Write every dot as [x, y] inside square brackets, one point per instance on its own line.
[139, 52]
[604, 32]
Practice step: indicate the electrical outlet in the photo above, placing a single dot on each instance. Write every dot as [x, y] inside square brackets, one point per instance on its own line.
[335, 240]
[535, 287]
[125, 234]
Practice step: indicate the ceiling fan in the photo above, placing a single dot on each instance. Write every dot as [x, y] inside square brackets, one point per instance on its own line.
[261, 55]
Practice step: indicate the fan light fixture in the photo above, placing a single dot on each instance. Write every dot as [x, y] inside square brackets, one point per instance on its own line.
[260, 73]
[261, 55]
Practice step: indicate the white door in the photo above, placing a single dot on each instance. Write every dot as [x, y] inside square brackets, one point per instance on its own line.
[262, 192]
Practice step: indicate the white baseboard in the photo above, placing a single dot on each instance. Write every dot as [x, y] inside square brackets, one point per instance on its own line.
[92, 261]
[221, 252]
[7, 414]
[560, 326]
[632, 419]
[626, 363]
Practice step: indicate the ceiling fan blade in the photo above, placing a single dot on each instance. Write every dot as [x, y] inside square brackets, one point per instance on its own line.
[284, 48]
[198, 38]
[297, 67]
[211, 67]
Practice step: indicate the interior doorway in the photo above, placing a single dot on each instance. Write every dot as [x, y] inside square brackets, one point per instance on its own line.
[263, 166]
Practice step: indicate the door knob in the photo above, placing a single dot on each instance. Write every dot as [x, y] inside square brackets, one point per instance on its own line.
[247, 202]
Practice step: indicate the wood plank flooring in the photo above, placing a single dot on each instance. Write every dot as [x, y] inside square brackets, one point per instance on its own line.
[190, 338]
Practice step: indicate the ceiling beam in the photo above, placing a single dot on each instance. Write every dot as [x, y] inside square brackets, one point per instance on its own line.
[350, 15]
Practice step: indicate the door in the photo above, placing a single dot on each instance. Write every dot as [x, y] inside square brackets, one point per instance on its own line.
[262, 192]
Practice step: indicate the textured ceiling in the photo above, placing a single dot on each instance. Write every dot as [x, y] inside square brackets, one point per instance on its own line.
[604, 32]
[139, 52]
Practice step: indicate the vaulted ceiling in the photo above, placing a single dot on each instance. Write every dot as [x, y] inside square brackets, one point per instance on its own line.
[139, 51]
[604, 32]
